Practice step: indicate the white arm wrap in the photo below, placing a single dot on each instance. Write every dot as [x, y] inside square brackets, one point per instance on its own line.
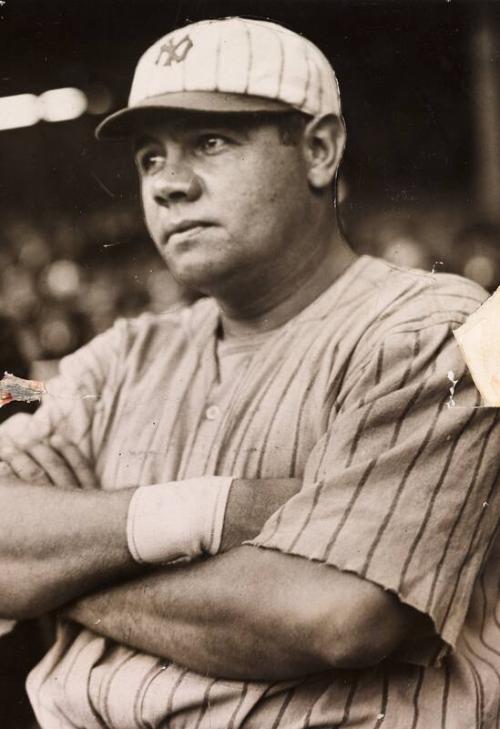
[177, 519]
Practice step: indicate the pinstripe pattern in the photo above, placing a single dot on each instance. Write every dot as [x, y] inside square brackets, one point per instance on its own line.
[439, 484]
[250, 56]
[350, 698]
[484, 618]
[445, 694]
[490, 433]
[347, 512]
[298, 430]
[477, 659]
[217, 64]
[479, 693]
[205, 704]
[314, 503]
[416, 695]
[470, 551]
[141, 695]
[352, 397]
[234, 715]
[286, 702]
[402, 485]
[236, 55]
[383, 704]
[282, 65]
[106, 706]
[320, 89]
[308, 76]
[175, 688]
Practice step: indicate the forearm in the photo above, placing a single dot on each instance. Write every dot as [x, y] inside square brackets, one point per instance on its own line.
[232, 615]
[251, 502]
[251, 614]
[235, 616]
[56, 545]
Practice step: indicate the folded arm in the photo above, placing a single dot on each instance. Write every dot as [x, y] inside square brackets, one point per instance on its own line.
[252, 614]
[57, 544]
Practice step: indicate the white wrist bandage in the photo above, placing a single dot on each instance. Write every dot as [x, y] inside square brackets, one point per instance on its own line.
[177, 519]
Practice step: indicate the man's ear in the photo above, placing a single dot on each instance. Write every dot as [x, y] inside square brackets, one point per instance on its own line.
[324, 141]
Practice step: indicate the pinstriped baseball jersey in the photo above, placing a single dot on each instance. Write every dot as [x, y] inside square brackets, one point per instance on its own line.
[400, 486]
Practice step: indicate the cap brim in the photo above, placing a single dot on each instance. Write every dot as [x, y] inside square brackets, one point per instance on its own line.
[128, 121]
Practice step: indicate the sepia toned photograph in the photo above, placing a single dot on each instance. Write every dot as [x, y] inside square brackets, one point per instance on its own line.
[249, 364]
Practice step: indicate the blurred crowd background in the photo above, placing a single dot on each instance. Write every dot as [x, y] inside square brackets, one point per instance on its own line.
[420, 182]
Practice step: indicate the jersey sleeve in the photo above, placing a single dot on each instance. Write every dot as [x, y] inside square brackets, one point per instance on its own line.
[73, 397]
[75, 394]
[401, 489]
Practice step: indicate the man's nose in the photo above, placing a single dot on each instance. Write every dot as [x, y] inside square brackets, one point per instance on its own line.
[176, 183]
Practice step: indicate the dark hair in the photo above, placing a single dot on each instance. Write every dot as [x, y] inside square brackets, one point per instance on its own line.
[290, 124]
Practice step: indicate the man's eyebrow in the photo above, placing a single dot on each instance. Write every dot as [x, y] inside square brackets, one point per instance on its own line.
[142, 141]
[242, 127]
[224, 121]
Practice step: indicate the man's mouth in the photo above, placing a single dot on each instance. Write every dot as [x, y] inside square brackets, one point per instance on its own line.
[188, 228]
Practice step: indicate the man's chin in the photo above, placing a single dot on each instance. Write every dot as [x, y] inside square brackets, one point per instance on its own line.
[207, 278]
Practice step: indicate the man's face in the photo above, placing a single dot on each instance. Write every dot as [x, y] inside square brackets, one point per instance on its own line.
[225, 200]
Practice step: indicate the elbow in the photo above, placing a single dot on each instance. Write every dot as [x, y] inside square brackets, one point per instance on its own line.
[363, 633]
[353, 647]
[351, 644]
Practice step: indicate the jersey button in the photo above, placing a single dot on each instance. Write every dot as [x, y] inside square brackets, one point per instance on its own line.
[212, 412]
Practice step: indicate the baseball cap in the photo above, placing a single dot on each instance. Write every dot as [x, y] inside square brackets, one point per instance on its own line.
[228, 65]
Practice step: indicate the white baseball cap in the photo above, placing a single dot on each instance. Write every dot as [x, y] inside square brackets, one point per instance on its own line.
[228, 65]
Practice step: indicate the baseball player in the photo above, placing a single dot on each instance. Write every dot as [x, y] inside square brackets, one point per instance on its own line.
[260, 510]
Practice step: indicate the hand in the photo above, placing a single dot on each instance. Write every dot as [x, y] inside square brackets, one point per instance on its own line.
[52, 462]
[8, 477]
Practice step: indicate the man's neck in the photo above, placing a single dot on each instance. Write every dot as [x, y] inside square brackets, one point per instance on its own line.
[266, 312]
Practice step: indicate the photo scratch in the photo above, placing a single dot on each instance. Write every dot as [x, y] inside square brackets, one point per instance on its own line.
[102, 185]
[451, 377]
[14, 388]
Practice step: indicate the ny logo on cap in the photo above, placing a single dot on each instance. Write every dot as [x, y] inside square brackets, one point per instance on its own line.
[174, 52]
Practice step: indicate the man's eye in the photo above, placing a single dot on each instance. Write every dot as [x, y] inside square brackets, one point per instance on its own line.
[212, 143]
[149, 162]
